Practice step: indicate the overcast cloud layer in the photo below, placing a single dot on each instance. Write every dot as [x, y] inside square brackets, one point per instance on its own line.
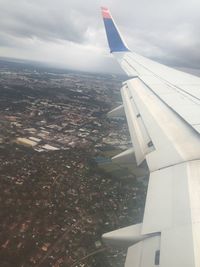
[70, 33]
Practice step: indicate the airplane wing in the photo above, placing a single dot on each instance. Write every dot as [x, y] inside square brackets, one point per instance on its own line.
[162, 107]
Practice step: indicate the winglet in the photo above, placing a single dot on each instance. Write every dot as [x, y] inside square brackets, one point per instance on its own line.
[115, 41]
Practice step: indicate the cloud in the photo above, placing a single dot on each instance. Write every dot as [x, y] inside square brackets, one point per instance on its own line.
[70, 32]
[42, 19]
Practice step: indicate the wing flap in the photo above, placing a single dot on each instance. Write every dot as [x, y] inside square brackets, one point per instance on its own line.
[139, 135]
[165, 127]
[145, 253]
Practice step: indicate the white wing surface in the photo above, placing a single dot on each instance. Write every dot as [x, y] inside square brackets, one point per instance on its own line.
[162, 107]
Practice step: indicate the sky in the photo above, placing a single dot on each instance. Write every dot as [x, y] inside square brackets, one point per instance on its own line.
[70, 33]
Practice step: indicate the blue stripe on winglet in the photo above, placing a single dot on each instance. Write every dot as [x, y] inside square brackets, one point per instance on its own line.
[114, 39]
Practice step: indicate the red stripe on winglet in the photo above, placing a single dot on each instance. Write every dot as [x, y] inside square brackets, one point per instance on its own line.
[105, 13]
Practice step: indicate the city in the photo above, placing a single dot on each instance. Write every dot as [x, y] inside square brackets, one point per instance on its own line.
[59, 189]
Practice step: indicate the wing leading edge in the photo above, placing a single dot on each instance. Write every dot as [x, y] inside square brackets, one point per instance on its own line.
[162, 107]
